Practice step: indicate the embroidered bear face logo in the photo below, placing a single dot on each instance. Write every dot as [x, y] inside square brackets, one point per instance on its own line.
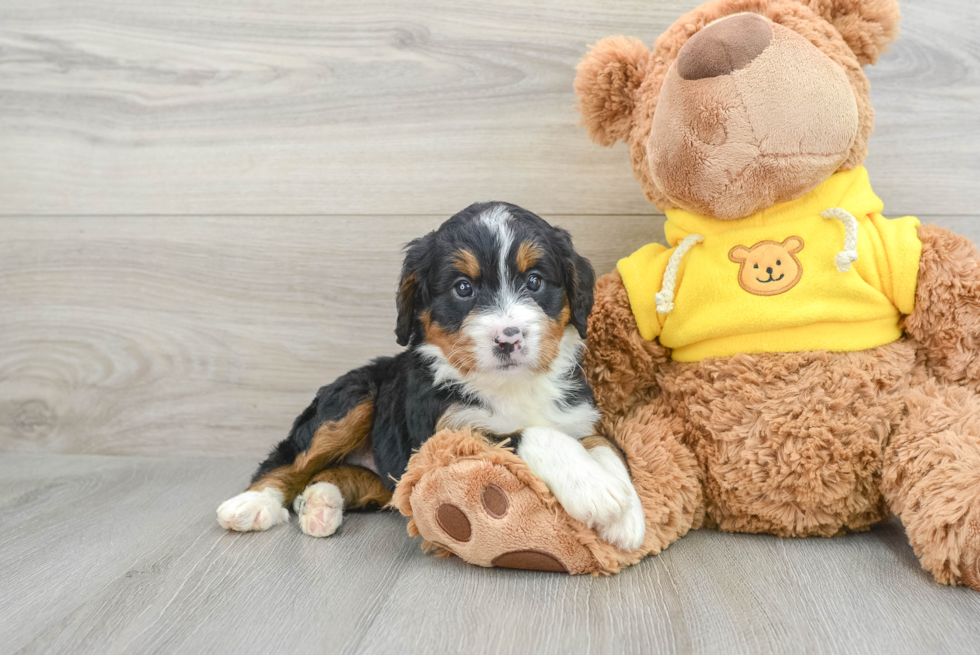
[768, 268]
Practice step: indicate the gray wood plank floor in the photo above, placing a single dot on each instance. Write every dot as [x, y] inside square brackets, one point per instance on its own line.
[122, 555]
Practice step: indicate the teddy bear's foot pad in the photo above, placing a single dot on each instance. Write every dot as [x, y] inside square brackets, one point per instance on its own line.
[483, 513]
[529, 560]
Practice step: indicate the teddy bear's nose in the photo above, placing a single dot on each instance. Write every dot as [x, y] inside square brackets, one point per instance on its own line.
[769, 270]
[722, 47]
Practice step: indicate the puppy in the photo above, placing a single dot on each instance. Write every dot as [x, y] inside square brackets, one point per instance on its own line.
[493, 307]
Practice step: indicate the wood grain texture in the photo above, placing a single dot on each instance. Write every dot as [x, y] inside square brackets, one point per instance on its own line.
[208, 335]
[196, 335]
[122, 555]
[380, 107]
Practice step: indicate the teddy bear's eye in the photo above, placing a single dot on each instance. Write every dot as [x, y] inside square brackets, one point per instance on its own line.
[756, 266]
[778, 263]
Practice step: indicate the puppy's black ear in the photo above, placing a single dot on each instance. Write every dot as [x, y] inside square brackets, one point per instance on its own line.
[413, 288]
[579, 282]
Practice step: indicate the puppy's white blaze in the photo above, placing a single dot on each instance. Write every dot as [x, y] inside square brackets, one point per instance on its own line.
[253, 510]
[512, 401]
[582, 485]
[496, 219]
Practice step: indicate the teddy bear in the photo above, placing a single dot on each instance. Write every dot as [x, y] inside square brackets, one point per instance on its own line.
[791, 362]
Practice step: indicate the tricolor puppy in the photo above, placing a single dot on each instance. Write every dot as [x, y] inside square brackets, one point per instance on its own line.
[493, 307]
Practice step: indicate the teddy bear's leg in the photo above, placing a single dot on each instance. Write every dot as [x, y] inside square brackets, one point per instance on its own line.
[946, 316]
[620, 365]
[931, 479]
[466, 496]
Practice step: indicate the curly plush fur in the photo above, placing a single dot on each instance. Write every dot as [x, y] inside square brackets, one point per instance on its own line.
[793, 444]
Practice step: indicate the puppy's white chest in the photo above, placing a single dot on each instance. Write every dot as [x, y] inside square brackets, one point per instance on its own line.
[505, 413]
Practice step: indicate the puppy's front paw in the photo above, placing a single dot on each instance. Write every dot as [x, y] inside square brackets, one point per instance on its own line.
[320, 509]
[627, 530]
[593, 496]
[252, 510]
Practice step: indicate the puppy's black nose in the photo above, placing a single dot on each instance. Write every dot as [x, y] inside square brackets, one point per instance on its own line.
[769, 270]
[507, 340]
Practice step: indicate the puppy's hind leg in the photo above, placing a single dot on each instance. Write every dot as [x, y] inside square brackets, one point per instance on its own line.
[320, 507]
[336, 423]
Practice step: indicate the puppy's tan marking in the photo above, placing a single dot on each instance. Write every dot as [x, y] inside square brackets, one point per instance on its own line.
[456, 346]
[466, 263]
[360, 487]
[528, 254]
[331, 442]
[407, 290]
[551, 338]
[596, 441]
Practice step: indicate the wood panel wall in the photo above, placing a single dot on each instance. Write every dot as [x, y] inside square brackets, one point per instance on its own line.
[202, 205]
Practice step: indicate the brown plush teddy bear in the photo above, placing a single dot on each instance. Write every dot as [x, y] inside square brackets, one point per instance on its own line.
[792, 363]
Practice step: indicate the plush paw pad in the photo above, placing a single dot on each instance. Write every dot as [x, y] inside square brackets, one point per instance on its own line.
[529, 560]
[483, 513]
[495, 501]
[453, 522]
[252, 510]
[321, 509]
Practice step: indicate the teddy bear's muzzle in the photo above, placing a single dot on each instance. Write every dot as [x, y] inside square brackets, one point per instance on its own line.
[751, 114]
[724, 47]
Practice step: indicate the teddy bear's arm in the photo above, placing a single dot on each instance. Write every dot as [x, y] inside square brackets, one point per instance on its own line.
[946, 317]
[618, 362]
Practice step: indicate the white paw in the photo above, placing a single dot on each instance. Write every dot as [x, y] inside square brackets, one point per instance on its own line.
[253, 510]
[593, 497]
[581, 482]
[626, 531]
[320, 508]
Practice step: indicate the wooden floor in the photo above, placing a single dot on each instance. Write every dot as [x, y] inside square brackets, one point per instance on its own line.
[202, 206]
[122, 555]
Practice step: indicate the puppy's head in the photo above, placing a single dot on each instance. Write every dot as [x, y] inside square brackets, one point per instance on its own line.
[496, 290]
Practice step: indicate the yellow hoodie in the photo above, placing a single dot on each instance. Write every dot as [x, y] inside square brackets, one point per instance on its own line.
[781, 280]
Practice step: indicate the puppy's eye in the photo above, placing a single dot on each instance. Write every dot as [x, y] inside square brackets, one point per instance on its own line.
[463, 289]
[534, 282]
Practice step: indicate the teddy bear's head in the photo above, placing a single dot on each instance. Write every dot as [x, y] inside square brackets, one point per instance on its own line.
[741, 104]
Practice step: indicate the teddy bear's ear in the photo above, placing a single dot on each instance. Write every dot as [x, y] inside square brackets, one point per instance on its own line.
[866, 25]
[738, 254]
[793, 245]
[606, 83]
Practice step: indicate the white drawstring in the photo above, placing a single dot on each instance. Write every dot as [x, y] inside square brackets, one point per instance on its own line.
[665, 299]
[849, 254]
